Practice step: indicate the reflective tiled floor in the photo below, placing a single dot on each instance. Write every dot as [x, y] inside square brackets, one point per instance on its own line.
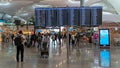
[88, 56]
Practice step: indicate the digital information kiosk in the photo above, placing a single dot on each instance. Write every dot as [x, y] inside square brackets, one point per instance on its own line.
[104, 38]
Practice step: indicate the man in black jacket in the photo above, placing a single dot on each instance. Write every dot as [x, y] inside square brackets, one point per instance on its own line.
[19, 45]
[33, 39]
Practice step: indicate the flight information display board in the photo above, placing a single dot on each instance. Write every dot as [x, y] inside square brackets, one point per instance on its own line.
[74, 16]
[65, 17]
[71, 16]
[60, 22]
[48, 18]
[85, 16]
[37, 24]
[68, 16]
[40, 17]
[54, 17]
[96, 16]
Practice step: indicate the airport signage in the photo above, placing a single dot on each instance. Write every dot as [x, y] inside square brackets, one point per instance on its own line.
[68, 16]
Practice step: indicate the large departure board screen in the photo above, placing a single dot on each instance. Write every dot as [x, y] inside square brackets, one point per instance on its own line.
[68, 16]
[65, 16]
[54, 15]
[40, 17]
[60, 19]
[48, 18]
[74, 16]
[85, 16]
[96, 16]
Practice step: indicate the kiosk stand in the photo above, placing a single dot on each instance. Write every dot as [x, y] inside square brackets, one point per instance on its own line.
[104, 38]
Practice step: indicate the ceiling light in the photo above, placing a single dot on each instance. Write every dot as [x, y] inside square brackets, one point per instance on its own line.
[8, 16]
[10, 0]
[24, 14]
[4, 3]
[5, 0]
[37, 6]
[79, 0]
[86, 0]
[106, 13]
[73, 1]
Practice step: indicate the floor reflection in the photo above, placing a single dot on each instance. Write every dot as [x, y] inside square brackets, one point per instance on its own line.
[19, 65]
[59, 57]
[105, 58]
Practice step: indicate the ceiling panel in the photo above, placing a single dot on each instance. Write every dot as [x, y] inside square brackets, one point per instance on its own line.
[14, 6]
[26, 0]
[115, 4]
[19, 7]
[54, 3]
[111, 18]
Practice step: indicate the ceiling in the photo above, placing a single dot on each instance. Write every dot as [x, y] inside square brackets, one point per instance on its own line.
[25, 8]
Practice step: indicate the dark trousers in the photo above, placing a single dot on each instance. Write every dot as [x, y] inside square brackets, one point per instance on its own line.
[39, 44]
[20, 49]
[32, 42]
[45, 45]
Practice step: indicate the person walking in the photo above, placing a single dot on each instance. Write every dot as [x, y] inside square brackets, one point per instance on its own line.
[33, 39]
[12, 37]
[39, 40]
[73, 40]
[3, 37]
[77, 40]
[95, 37]
[19, 42]
[45, 41]
[59, 38]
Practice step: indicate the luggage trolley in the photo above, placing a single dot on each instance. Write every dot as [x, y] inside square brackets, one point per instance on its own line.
[44, 51]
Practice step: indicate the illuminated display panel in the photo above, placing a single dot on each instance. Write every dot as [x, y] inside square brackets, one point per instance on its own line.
[85, 16]
[96, 16]
[68, 16]
[104, 37]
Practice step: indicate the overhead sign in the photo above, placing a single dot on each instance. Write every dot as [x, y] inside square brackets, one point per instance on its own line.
[85, 16]
[96, 16]
[68, 16]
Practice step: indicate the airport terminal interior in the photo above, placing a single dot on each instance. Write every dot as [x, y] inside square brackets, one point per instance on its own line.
[60, 33]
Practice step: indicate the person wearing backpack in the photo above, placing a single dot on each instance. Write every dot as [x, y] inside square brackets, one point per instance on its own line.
[19, 43]
[45, 41]
[39, 40]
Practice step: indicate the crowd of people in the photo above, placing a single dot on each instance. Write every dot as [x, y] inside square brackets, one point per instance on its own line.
[32, 39]
[42, 40]
[76, 38]
[6, 37]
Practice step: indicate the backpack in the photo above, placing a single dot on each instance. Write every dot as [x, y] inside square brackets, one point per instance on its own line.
[18, 41]
[39, 38]
[53, 37]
